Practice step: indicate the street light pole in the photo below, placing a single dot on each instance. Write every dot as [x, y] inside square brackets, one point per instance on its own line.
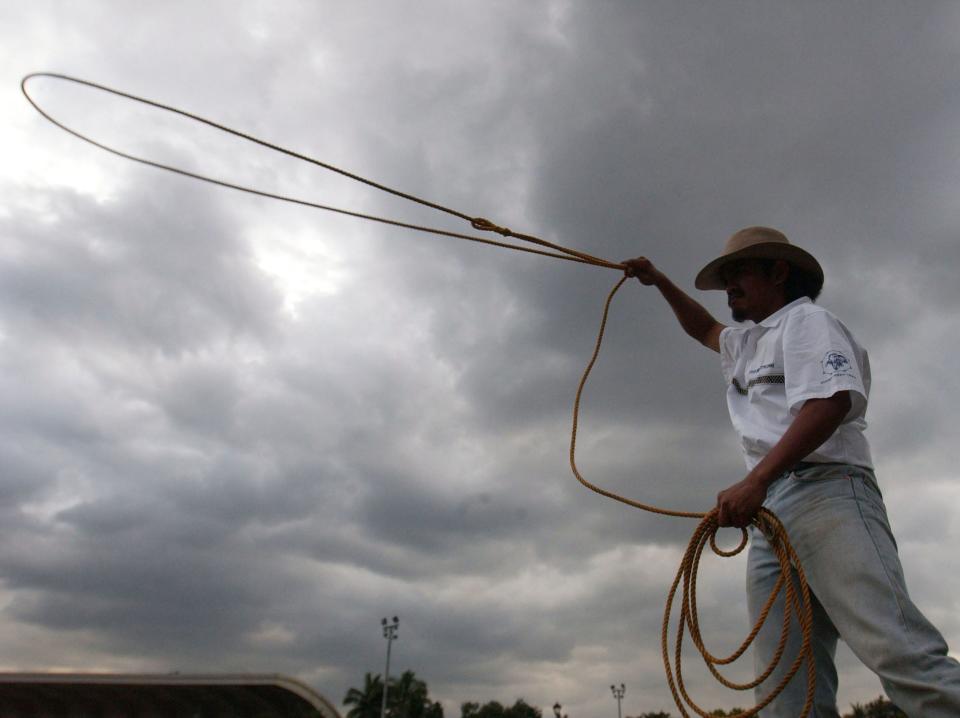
[618, 694]
[390, 633]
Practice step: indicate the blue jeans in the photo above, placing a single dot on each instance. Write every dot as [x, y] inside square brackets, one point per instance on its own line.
[837, 523]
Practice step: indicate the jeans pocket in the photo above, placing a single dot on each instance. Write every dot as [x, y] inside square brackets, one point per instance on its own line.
[822, 472]
[871, 490]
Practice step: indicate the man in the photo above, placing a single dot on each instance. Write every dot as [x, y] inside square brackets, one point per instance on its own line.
[797, 389]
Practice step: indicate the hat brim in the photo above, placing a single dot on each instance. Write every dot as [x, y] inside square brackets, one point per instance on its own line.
[709, 276]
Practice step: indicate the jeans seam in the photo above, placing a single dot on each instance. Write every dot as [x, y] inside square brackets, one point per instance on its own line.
[876, 547]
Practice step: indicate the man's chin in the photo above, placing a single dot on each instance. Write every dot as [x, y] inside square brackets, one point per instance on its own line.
[738, 315]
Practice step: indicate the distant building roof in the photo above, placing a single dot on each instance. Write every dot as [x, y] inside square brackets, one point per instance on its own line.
[106, 695]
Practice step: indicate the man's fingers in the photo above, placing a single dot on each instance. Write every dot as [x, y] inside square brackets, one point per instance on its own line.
[721, 510]
[636, 267]
[726, 519]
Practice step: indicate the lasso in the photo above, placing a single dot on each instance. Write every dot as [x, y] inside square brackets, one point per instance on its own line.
[797, 602]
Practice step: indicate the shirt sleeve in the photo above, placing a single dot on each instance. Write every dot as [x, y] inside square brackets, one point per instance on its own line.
[819, 360]
[731, 344]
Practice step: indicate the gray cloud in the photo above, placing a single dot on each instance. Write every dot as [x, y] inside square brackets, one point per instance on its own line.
[237, 433]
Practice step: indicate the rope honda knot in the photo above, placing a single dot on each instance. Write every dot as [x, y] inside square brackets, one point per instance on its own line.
[485, 225]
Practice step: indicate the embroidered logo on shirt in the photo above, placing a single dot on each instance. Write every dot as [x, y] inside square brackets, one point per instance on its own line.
[836, 364]
[757, 370]
[766, 379]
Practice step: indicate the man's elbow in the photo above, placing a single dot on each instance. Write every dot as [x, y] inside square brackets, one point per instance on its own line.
[710, 336]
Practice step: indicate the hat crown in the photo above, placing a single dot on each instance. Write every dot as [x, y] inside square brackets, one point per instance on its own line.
[751, 236]
[757, 243]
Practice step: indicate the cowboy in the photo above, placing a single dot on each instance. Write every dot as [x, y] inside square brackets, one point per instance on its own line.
[798, 383]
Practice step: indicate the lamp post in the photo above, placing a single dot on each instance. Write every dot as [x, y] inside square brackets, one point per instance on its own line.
[390, 633]
[618, 694]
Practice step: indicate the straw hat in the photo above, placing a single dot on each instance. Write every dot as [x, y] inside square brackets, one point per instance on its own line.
[757, 243]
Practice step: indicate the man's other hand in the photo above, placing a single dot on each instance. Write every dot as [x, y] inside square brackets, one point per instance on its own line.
[643, 269]
[737, 505]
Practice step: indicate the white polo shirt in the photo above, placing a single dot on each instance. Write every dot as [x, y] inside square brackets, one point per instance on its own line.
[799, 352]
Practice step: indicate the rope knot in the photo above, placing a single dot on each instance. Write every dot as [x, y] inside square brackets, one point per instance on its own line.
[485, 225]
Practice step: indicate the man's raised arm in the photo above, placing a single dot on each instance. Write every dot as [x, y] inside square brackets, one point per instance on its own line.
[695, 320]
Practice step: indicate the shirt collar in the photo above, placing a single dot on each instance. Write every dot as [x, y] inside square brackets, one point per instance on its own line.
[774, 319]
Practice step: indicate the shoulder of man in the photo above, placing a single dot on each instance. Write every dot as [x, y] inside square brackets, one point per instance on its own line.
[805, 311]
[810, 314]
[813, 329]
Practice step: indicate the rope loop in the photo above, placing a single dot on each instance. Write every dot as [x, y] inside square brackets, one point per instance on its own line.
[550, 249]
[726, 553]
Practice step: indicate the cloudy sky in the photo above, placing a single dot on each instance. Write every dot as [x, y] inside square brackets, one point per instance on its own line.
[235, 433]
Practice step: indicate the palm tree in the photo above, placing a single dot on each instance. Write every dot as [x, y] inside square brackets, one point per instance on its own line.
[878, 708]
[409, 698]
[495, 709]
[366, 702]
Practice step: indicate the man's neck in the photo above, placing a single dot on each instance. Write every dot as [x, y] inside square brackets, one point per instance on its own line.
[770, 309]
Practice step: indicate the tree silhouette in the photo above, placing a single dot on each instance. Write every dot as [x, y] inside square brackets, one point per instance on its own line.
[879, 708]
[407, 697]
[494, 709]
[522, 709]
[366, 701]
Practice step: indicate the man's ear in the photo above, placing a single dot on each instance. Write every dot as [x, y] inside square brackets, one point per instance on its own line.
[781, 270]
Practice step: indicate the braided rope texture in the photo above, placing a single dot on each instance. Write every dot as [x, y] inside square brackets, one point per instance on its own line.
[797, 602]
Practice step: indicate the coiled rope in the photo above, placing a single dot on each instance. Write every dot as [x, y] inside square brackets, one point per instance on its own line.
[797, 602]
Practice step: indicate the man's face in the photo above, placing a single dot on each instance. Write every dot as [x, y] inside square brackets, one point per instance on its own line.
[752, 292]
